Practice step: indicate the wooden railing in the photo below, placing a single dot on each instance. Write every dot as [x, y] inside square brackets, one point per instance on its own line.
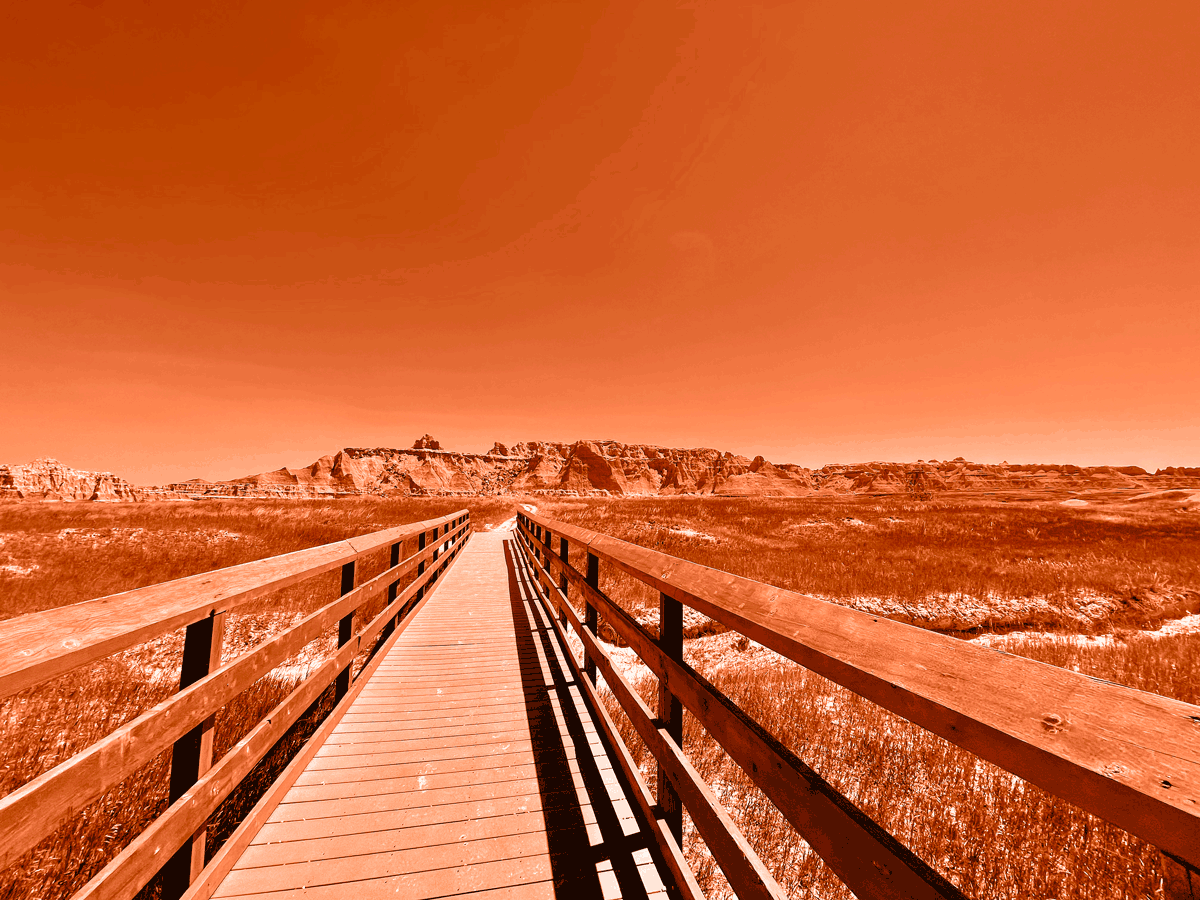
[1126, 756]
[41, 646]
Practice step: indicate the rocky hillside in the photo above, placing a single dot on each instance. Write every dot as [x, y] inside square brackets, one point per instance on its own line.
[612, 468]
[48, 479]
[588, 468]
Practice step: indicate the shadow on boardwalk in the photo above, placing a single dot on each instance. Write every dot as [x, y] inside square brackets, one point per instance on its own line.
[598, 847]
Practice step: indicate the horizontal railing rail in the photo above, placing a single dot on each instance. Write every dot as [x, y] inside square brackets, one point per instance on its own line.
[37, 648]
[1129, 757]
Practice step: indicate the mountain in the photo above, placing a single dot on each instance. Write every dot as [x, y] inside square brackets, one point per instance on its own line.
[587, 468]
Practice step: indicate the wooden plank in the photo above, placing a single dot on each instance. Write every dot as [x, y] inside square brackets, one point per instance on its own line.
[531, 804]
[436, 883]
[870, 861]
[1126, 756]
[367, 786]
[349, 869]
[378, 757]
[411, 769]
[43, 645]
[388, 839]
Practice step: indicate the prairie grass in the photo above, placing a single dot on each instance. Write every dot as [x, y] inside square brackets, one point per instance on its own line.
[75, 552]
[960, 564]
[57, 554]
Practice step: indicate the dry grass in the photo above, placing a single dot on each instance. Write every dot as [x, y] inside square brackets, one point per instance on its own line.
[74, 552]
[57, 554]
[989, 832]
[959, 564]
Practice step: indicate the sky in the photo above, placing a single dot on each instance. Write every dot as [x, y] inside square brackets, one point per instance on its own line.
[239, 236]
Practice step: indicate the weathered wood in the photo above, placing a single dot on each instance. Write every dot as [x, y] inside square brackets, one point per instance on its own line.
[33, 810]
[43, 645]
[1126, 756]
[192, 754]
[669, 845]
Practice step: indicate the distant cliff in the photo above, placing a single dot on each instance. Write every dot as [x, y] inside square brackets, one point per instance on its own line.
[48, 479]
[587, 468]
[599, 468]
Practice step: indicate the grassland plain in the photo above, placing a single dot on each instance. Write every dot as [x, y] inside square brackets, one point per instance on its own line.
[963, 564]
[966, 565]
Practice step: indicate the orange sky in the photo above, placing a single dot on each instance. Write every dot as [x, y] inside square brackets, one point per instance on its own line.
[240, 238]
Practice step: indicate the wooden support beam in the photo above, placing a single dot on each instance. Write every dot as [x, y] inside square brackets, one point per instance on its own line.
[345, 629]
[670, 711]
[191, 755]
[591, 620]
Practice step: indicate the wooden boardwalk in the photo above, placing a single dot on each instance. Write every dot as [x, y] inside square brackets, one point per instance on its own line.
[468, 764]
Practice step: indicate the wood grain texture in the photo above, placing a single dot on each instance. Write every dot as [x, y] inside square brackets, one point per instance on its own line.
[1129, 757]
[43, 645]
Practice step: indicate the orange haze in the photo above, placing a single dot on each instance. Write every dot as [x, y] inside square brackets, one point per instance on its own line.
[237, 236]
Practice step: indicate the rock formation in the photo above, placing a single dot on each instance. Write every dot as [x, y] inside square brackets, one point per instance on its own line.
[587, 468]
[48, 479]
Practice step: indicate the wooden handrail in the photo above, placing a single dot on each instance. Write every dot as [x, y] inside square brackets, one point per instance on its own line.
[1127, 756]
[39, 646]
[34, 810]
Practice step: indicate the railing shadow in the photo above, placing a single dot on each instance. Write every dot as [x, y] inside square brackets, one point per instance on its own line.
[597, 846]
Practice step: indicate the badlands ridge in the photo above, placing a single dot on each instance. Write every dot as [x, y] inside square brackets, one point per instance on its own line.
[583, 468]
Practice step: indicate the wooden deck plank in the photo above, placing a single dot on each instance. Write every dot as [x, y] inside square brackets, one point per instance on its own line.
[467, 765]
[412, 886]
[359, 843]
[359, 867]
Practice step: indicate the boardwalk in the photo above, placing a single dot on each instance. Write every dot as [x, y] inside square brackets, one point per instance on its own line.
[467, 765]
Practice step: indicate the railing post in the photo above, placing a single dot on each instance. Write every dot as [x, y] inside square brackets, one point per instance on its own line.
[562, 578]
[591, 620]
[670, 710]
[191, 756]
[420, 595]
[393, 590]
[345, 632]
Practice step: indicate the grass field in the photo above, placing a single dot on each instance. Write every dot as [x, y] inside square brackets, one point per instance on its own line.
[957, 563]
[965, 565]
